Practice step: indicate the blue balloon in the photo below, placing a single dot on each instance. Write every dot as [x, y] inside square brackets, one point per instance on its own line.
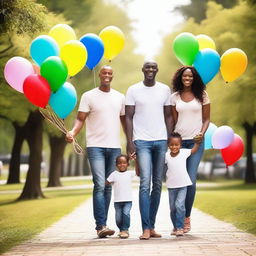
[208, 136]
[43, 47]
[64, 100]
[94, 47]
[207, 64]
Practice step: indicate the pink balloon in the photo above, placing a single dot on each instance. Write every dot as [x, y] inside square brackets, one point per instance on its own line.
[16, 70]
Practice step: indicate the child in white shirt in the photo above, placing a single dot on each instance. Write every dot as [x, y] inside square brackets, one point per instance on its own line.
[122, 182]
[177, 180]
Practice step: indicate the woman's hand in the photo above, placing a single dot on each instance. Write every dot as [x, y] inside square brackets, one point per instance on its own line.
[198, 138]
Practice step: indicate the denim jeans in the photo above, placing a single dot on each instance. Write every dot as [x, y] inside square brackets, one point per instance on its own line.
[177, 198]
[102, 162]
[151, 158]
[123, 215]
[192, 166]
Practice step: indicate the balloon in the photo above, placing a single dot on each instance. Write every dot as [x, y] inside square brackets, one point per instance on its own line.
[62, 33]
[94, 47]
[233, 64]
[185, 47]
[222, 137]
[64, 100]
[205, 41]
[74, 54]
[234, 151]
[208, 136]
[113, 40]
[55, 71]
[37, 90]
[43, 47]
[207, 64]
[16, 70]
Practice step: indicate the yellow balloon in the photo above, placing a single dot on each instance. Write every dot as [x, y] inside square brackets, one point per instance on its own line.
[205, 41]
[233, 64]
[62, 33]
[74, 54]
[113, 40]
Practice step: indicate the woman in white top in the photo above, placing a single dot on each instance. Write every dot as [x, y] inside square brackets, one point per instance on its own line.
[191, 115]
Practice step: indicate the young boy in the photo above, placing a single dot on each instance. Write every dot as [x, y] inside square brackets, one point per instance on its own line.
[122, 182]
[177, 179]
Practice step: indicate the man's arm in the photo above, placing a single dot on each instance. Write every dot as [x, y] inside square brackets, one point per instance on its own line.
[123, 123]
[168, 119]
[79, 122]
[129, 113]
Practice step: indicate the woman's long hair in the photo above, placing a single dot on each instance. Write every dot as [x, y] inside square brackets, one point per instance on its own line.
[197, 86]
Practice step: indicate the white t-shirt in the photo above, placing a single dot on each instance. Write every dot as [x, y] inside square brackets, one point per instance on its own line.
[103, 121]
[148, 119]
[177, 175]
[122, 182]
[190, 121]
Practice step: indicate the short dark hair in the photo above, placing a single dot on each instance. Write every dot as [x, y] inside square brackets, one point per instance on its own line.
[174, 135]
[122, 155]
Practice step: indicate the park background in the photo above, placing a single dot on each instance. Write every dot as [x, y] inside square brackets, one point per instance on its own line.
[23, 132]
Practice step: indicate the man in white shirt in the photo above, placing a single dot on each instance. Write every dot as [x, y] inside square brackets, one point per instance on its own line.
[102, 108]
[148, 122]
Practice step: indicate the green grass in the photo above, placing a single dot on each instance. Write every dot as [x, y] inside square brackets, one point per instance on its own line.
[5, 187]
[230, 201]
[20, 221]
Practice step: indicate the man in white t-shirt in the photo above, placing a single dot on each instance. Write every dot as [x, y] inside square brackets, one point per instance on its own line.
[148, 120]
[102, 108]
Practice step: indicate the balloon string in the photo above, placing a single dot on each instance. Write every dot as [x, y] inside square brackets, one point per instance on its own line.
[50, 116]
[94, 78]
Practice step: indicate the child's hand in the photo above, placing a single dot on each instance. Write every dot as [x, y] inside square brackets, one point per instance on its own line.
[198, 138]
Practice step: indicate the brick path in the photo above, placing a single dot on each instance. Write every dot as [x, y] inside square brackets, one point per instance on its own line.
[74, 235]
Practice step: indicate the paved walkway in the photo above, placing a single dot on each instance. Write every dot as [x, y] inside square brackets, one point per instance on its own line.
[74, 235]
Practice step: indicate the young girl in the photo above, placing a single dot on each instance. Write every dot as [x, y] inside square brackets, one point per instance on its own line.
[177, 180]
[122, 182]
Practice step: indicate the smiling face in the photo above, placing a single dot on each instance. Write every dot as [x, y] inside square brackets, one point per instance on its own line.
[106, 75]
[122, 164]
[187, 78]
[175, 145]
[150, 70]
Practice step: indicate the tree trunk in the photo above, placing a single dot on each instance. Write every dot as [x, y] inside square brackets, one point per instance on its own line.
[34, 131]
[249, 173]
[57, 145]
[14, 168]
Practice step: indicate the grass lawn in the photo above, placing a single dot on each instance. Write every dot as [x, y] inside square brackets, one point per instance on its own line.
[4, 187]
[230, 201]
[20, 221]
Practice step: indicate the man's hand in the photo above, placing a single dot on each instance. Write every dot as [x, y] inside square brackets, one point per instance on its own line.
[69, 137]
[131, 150]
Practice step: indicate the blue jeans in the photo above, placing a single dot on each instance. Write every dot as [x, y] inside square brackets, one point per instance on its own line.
[123, 215]
[192, 166]
[177, 198]
[102, 162]
[151, 158]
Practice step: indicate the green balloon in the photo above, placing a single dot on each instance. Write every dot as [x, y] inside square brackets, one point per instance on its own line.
[186, 47]
[55, 71]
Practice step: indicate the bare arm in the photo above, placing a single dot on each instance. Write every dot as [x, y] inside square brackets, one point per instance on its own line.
[129, 113]
[79, 122]
[174, 115]
[205, 117]
[122, 119]
[195, 148]
[168, 119]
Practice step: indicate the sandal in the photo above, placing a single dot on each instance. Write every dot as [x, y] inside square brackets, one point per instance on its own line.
[187, 225]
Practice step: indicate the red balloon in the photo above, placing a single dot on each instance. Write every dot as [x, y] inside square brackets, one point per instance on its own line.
[37, 90]
[234, 151]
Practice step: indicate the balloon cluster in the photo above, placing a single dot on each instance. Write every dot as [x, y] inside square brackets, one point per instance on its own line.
[230, 144]
[59, 55]
[200, 51]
